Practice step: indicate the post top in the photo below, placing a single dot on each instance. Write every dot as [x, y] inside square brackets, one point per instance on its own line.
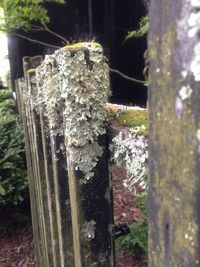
[82, 45]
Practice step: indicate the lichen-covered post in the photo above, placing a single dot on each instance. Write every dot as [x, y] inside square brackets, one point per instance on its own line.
[31, 154]
[49, 104]
[174, 139]
[85, 89]
[22, 102]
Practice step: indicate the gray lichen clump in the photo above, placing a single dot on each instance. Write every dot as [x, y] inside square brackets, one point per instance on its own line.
[48, 92]
[88, 230]
[74, 82]
[131, 152]
[194, 24]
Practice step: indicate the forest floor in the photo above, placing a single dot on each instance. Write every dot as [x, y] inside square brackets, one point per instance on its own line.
[16, 240]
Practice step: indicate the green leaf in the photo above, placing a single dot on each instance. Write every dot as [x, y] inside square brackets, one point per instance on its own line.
[2, 191]
[141, 31]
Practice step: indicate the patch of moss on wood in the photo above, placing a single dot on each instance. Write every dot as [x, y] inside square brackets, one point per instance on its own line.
[133, 118]
[82, 45]
[112, 115]
[130, 118]
[31, 71]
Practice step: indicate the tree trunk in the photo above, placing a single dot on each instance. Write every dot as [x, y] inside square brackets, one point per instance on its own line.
[174, 127]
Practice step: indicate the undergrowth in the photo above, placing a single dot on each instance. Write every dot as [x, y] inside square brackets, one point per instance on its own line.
[136, 243]
[13, 175]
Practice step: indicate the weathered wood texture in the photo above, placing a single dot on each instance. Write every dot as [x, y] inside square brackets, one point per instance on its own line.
[174, 139]
[70, 186]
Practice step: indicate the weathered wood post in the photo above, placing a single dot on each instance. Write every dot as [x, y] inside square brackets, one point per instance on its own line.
[37, 178]
[174, 139]
[67, 153]
[24, 106]
[85, 90]
[49, 104]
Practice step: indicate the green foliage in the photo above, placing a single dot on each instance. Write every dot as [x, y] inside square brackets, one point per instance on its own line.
[141, 31]
[141, 202]
[13, 175]
[132, 118]
[136, 243]
[21, 14]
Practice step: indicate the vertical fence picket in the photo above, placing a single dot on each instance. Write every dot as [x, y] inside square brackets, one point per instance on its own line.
[38, 161]
[18, 86]
[30, 168]
[50, 189]
[58, 159]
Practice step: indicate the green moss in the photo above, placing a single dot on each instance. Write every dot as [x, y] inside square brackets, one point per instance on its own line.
[112, 115]
[132, 118]
[81, 45]
[31, 71]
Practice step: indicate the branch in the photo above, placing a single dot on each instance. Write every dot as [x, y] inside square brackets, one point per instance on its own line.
[35, 41]
[127, 77]
[54, 33]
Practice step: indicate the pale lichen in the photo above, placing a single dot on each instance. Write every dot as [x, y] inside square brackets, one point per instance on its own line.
[194, 24]
[195, 65]
[131, 152]
[48, 93]
[85, 89]
[73, 84]
[88, 230]
[195, 3]
[185, 92]
[198, 134]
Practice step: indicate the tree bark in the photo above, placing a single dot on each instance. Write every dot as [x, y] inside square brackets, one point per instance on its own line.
[174, 139]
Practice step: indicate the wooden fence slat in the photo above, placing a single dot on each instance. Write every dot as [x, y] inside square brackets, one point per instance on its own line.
[50, 189]
[62, 211]
[37, 154]
[30, 169]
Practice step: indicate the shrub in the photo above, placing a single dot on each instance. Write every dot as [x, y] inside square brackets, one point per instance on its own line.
[136, 243]
[13, 175]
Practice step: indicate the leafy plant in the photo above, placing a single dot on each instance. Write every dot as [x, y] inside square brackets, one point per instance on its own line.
[141, 202]
[23, 14]
[141, 31]
[13, 175]
[136, 243]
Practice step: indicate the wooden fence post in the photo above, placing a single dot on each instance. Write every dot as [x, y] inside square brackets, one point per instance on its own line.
[67, 151]
[174, 139]
[35, 221]
[85, 87]
[37, 179]
[48, 104]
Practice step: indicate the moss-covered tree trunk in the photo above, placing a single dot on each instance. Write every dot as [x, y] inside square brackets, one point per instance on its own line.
[174, 127]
